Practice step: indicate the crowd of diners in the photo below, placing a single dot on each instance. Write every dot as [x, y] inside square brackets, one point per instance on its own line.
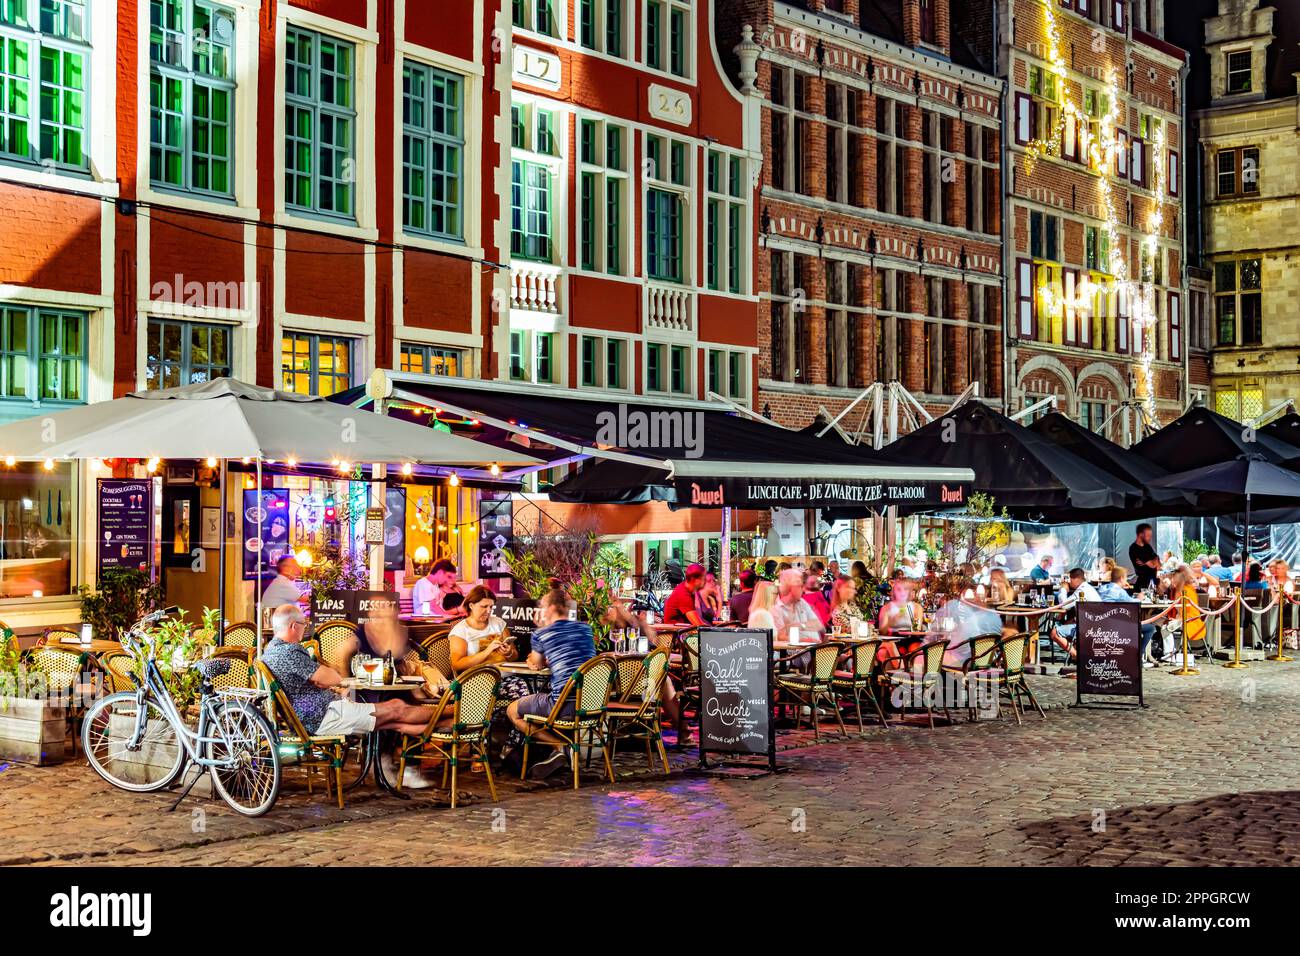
[813, 603]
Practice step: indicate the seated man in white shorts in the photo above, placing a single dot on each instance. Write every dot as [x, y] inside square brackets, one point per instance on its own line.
[314, 690]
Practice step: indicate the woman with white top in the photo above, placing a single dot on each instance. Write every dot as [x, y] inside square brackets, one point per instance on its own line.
[481, 638]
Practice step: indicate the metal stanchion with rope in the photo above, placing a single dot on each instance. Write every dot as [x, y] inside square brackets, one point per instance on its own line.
[1185, 670]
[1236, 661]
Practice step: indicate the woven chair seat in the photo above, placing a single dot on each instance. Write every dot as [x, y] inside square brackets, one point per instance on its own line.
[909, 677]
[794, 680]
[986, 673]
[618, 707]
[447, 736]
[331, 739]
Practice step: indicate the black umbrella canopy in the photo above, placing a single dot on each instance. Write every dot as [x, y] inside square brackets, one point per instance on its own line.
[1105, 454]
[1021, 469]
[1247, 475]
[1286, 428]
[1201, 437]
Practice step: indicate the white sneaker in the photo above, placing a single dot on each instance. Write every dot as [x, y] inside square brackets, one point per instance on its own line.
[412, 779]
[1148, 664]
[388, 766]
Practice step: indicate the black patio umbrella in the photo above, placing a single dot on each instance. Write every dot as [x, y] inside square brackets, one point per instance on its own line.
[1286, 428]
[1107, 455]
[1247, 479]
[1201, 437]
[1022, 470]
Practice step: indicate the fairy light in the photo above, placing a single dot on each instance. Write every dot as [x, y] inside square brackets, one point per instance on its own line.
[453, 479]
[49, 464]
[152, 465]
[1101, 151]
[345, 466]
[407, 469]
[495, 469]
[10, 461]
[211, 462]
[291, 462]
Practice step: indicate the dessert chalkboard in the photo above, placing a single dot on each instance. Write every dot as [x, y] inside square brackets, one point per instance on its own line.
[736, 693]
[1109, 649]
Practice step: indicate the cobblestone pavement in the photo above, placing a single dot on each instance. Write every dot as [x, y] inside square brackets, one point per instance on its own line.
[1207, 774]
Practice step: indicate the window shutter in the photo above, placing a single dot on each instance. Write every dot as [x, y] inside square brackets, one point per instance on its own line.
[1172, 179]
[1138, 162]
[1175, 327]
[1121, 155]
[1070, 282]
[1121, 320]
[1024, 118]
[1085, 322]
[1025, 299]
[1070, 144]
[1119, 16]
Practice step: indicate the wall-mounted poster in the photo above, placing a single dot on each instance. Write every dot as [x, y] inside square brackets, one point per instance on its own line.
[125, 524]
[395, 529]
[496, 532]
[210, 529]
[266, 531]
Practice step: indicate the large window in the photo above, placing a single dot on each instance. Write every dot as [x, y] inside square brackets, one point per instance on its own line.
[191, 95]
[432, 360]
[44, 61]
[1238, 302]
[603, 190]
[891, 131]
[1238, 68]
[1237, 172]
[668, 36]
[37, 539]
[603, 362]
[725, 222]
[42, 354]
[844, 324]
[789, 329]
[536, 15]
[433, 147]
[319, 124]
[669, 178]
[532, 356]
[668, 368]
[533, 136]
[315, 364]
[1241, 401]
[182, 353]
[601, 26]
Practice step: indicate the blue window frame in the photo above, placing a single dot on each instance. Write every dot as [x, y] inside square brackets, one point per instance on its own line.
[42, 354]
[182, 353]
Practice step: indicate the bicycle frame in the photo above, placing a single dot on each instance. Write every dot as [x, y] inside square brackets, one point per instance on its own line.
[193, 741]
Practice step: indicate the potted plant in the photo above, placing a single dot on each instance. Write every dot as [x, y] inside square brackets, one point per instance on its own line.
[120, 598]
[33, 728]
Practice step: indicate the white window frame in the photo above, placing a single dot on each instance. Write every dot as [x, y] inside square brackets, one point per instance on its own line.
[603, 175]
[668, 8]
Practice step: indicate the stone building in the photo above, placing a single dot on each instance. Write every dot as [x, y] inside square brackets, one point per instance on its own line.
[1094, 229]
[1250, 156]
[879, 255]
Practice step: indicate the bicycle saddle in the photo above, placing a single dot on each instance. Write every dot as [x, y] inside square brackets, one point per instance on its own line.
[213, 667]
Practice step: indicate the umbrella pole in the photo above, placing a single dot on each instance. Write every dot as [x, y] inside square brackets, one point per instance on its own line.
[257, 578]
[221, 556]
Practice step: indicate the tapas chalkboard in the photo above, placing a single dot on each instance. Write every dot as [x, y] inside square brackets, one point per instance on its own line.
[1109, 650]
[736, 693]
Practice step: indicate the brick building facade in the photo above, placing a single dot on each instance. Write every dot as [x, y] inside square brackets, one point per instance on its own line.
[879, 257]
[1095, 224]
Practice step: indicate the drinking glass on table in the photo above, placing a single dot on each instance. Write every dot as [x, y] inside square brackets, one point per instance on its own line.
[370, 665]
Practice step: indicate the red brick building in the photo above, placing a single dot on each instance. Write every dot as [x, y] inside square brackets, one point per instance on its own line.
[880, 253]
[1095, 225]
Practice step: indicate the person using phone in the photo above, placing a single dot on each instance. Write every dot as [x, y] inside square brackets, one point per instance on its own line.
[481, 637]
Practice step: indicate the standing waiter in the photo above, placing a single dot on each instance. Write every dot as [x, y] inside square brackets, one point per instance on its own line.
[1146, 564]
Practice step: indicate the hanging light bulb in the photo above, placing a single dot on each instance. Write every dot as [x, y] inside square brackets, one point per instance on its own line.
[9, 461]
[291, 462]
[407, 468]
[304, 558]
[212, 462]
[345, 466]
[49, 464]
[152, 465]
[453, 479]
[245, 459]
[495, 469]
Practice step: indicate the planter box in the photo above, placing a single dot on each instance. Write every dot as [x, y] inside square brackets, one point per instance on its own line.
[32, 731]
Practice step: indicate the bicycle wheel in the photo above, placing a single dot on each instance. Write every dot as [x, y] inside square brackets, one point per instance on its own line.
[246, 772]
[106, 734]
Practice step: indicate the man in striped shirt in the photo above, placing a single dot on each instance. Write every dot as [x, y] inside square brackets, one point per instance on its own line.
[563, 645]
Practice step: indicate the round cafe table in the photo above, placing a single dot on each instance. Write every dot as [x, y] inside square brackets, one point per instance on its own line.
[371, 758]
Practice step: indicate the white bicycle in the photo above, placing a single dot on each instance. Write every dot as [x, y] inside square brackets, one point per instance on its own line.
[138, 741]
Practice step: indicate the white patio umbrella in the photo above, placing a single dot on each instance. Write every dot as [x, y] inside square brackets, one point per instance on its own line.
[225, 419]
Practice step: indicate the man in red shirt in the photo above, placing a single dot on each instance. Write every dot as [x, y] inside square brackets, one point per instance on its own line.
[682, 606]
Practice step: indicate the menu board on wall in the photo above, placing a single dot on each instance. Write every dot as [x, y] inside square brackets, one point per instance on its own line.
[125, 524]
[395, 529]
[736, 693]
[496, 532]
[1109, 649]
[518, 615]
[266, 531]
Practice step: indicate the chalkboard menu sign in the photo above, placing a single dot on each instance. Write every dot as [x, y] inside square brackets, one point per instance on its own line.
[518, 615]
[736, 693]
[371, 604]
[355, 606]
[125, 524]
[1109, 648]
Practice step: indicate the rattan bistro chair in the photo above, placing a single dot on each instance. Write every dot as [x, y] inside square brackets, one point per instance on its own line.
[859, 681]
[62, 669]
[908, 678]
[240, 634]
[469, 703]
[1011, 681]
[437, 651]
[806, 689]
[241, 673]
[123, 670]
[630, 718]
[308, 751]
[55, 636]
[336, 640]
[980, 666]
[587, 691]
